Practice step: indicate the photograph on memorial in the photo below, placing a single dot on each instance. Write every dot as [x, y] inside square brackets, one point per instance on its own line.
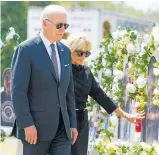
[150, 125]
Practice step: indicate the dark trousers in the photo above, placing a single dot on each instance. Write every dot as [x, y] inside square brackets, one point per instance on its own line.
[81, 145]
[60, 145]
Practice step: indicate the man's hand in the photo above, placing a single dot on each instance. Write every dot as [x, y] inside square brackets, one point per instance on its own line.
[31, 134]
[74, 134]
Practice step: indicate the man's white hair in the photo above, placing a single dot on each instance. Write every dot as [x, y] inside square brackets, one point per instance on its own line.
[51, 9]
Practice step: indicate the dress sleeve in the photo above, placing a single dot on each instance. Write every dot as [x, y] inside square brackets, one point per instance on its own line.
[100, 96]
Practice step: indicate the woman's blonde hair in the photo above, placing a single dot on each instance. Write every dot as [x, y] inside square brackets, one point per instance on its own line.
[76, 42]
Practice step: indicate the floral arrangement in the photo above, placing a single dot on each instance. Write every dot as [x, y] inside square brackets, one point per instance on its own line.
[104, 144]
[129, 48]
[125, 148]
[124, 48]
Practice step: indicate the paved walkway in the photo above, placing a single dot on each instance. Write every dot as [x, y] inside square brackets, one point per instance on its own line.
[8, 147]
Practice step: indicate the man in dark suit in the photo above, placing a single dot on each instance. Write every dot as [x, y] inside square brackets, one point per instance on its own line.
[42, 89]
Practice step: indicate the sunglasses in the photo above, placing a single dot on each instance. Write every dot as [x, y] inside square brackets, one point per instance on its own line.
[59, 25]
[80, 53]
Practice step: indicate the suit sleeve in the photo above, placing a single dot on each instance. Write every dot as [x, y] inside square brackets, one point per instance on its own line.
[70, 99]
[100, 96]
[21, 71]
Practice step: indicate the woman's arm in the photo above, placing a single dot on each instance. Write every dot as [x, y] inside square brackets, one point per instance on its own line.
[100, 96]
[130, 117]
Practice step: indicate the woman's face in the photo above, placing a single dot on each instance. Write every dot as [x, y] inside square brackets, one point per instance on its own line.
[76, 59]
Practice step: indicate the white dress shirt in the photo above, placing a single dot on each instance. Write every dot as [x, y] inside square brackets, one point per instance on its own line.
[47, 44]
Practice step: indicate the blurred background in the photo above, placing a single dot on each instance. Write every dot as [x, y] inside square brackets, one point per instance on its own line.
[95, 18]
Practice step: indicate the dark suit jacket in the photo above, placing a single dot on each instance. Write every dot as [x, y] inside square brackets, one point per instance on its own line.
[37, 94]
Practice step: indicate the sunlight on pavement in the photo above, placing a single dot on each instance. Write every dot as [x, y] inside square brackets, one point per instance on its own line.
[8, 147]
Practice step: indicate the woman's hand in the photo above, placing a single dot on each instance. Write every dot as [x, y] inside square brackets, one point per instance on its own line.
[134, 118]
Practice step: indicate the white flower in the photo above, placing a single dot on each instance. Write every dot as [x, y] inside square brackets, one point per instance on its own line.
[119, 142]
[148, 59]
[137, 45]
[119, 52]
[93, 119]
[11, 29]
[130, 64]
[122, 33]
[156, 102]
[155, 53]
[108, 93]
[102, 135]
[131, 48]
[98, 140]
[145, 145]
[156, 91]
[156, 71]
[115, 98]
[143, 153]
[143, 45]
[115, 79]
[91, 144]
[103, 40]
[114, 88]
[10, 34]
[108, 73]
[91, 114]
[155, 33]
[115, 35]
[135, 32]
[141, 81]
[118, 74]
[131, 88]
[111, 145]
[129, 152]
[104, 62]
[95, 124]
[109, 47]
[143, 51]
[89, 108]
[126, 40]
[147, 38]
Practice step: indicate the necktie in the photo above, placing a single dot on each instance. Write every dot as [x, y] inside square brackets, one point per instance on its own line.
[54, 60]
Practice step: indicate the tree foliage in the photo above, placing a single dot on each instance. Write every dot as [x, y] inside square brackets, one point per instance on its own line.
[14, 14]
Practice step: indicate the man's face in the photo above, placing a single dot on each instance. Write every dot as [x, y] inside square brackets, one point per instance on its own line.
[54, 32]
